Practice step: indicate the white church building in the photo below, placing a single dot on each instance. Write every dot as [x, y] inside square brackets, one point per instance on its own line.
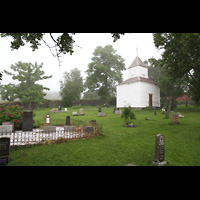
[138, 91]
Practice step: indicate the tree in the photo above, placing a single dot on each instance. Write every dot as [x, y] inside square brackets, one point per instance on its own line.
[104, 72]
[71, 87]
[169, 89]
[127, 115]
[181, 58]
[8, 92]
[27, 90]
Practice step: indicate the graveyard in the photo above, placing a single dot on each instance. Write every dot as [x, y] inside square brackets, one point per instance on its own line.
[118, 145]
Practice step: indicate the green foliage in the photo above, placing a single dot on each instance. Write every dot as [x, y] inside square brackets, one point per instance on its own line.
[181, 58]
[104, 72]
[11, 114]
[27, 90]
[127, 115]
[168, 87]
[71, 87]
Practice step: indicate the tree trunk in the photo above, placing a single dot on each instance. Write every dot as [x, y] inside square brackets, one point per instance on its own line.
[106, 91]
[29, 105]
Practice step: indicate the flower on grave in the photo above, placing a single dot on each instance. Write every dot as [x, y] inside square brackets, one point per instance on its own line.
[11, 115]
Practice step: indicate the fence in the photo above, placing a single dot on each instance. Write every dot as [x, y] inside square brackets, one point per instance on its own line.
[54, 133]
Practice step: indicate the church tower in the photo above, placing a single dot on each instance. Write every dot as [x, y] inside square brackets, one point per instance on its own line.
[138, 91]
[137, 69]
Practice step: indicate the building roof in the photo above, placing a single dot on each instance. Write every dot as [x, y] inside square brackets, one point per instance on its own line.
[138, 78]
[137, 62]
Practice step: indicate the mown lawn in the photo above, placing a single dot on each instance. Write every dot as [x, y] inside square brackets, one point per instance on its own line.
[118, 145]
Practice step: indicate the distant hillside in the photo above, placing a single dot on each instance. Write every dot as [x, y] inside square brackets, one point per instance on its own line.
[53, 95]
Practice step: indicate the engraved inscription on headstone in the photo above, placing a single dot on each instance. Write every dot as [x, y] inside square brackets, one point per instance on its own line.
[159, 158]
[27, 124]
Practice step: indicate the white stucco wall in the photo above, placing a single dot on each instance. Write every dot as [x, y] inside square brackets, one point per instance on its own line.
[138, 71]
[137, 95]
[128, 95]
[146, 89]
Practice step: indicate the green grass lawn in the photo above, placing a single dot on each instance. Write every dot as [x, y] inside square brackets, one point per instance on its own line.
[119, 145]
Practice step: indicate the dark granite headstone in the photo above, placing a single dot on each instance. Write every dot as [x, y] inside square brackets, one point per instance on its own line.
[59, 108]
[4, 150]
[27, 124]
[67, 121]
[99, 109]
[159, 158]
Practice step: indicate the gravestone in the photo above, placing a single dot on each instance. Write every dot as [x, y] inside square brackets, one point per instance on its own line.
[99, 110]
[118, 112]
[67, 121]
[27, 124]
[47, 120]
[49, 129]
[114, 110]
[59, 108]
[74, 114]
[6, 130]
[92, 122]
[4, 150]
[159, 158]
[167, 115]
[81, 111]
[69, 128]
[174, 119]
[65, 109]
[9, 123]
[101, 114]
[88, 130]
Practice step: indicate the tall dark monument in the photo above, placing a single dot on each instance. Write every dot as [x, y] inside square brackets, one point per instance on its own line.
[27, 124]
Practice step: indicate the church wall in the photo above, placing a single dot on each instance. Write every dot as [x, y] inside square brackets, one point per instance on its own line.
[137, 95]
[128, 95]
[149, 89]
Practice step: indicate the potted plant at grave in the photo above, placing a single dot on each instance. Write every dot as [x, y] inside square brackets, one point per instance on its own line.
[128, 117]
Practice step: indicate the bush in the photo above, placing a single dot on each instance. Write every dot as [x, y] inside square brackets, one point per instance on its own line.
[13, 114]
[128, 116]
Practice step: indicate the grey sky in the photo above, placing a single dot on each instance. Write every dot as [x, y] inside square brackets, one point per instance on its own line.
[125, 46]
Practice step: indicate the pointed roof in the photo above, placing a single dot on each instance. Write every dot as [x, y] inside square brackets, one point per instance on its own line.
[137, 62]
[136, 79]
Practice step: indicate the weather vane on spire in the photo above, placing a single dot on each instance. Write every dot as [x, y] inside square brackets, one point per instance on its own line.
[137, 51]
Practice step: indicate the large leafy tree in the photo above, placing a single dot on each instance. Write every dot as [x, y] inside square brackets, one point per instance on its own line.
[169, 89]
[104, 71]
[181, 58]
[28, 91]
[71, 87]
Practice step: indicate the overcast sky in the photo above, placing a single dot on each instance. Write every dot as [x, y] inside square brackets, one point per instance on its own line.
[125, 46]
